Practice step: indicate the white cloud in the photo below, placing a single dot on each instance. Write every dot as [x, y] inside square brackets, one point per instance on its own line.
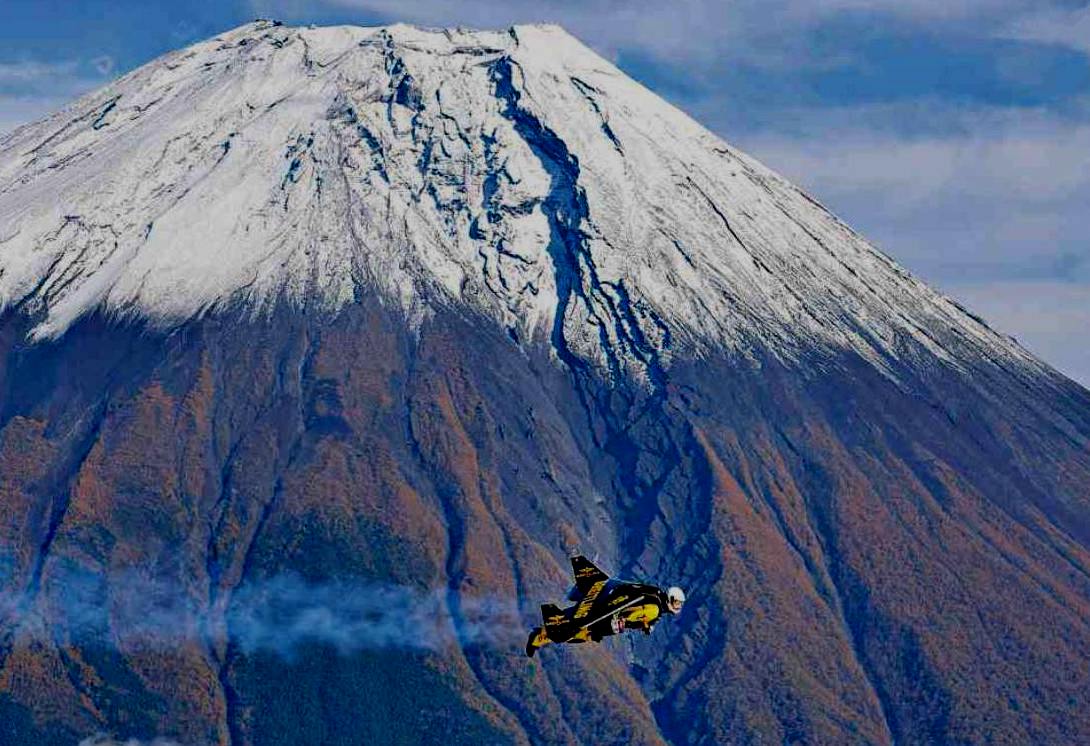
[35, 72]
[1030, 164]
[1069, 27]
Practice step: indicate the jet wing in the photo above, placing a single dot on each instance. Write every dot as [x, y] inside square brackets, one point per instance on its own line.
[586, 574]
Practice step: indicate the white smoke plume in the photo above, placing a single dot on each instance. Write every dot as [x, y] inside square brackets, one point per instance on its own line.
[275, 615]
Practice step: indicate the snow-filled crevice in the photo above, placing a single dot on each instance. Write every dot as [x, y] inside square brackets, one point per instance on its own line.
[294, 154]
[757, 261]
[101, 121]
[344, 114]
[607, 303]
[589, 93]
[446, 189]
[403, 90]
[491, 230]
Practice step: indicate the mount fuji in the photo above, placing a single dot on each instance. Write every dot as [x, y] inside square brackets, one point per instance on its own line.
[413, 312]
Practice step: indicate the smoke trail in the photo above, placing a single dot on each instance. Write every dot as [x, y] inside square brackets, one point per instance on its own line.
[274, 615]
[283, 611]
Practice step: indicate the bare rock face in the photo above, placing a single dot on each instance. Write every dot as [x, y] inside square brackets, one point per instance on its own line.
[320, 349]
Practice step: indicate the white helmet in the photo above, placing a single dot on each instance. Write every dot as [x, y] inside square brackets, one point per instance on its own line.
[675, 597]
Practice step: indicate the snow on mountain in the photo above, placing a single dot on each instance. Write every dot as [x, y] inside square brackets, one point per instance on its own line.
[515, 173]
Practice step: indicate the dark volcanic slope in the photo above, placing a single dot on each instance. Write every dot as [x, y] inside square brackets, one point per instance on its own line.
[320, 349]
[863, 561]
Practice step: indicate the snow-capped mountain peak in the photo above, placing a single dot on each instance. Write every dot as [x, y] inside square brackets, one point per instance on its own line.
[517, 174]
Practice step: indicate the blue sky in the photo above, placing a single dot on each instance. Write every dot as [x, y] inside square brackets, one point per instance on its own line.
[953, 133]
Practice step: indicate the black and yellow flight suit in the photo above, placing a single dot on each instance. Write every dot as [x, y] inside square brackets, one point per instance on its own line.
[642, 616]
